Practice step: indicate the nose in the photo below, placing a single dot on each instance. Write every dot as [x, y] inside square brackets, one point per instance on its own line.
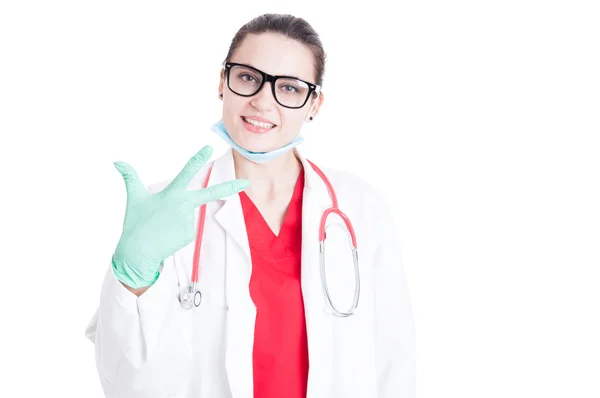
[264, 100]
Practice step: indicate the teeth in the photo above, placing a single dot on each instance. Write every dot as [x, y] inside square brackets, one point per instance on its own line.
[259, 124]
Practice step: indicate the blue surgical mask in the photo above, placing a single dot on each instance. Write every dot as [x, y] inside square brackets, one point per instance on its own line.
[256, 157]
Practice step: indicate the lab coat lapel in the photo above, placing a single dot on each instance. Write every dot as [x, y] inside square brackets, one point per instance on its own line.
[319, 327]
[241, 312]
[230, 215]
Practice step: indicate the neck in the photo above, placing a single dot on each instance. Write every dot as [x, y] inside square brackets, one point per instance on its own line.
[272, 180]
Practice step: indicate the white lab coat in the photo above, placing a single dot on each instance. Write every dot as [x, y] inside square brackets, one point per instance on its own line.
[151, 347]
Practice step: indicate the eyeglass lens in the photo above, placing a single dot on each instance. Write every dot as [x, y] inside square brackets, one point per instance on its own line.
[246, 81]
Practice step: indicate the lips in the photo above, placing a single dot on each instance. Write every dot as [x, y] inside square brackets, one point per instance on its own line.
[258, 120]
[257, 125]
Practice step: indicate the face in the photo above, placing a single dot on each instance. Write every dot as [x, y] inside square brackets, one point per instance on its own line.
[275, 55]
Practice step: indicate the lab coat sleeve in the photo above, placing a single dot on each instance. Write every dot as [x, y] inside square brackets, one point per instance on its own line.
[139, 348]
[395, 332]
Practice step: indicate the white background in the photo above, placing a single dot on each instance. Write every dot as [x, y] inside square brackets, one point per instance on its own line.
[478, 120]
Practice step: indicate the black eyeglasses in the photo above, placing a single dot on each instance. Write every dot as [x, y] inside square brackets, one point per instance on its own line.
[288, 91]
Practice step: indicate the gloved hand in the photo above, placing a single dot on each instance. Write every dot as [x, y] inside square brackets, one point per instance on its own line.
[158, 225]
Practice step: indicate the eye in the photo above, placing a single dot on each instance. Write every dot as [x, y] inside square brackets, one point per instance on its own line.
[247, 77]
[288, 88]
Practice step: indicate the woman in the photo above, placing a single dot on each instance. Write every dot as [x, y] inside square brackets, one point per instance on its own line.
[263, 326]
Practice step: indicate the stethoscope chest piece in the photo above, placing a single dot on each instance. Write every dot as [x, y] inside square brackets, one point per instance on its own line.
[197, 298]
[190, 298]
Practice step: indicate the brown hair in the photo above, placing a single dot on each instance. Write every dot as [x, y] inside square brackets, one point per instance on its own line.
[292, 27]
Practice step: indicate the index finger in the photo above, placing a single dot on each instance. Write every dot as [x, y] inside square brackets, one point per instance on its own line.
[218, 191]
[191, 168]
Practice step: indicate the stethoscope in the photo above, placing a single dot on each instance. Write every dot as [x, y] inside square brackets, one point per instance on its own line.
[191, 296]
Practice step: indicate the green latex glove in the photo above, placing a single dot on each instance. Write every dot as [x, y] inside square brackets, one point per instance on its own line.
[158, 225]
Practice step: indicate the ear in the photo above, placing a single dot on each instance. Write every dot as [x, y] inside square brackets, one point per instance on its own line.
[221, 83]
[318, 105]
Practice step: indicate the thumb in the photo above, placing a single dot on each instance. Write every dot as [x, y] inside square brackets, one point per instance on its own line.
[133, 184]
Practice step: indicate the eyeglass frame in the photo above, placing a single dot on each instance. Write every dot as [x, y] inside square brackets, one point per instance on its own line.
[272, 79]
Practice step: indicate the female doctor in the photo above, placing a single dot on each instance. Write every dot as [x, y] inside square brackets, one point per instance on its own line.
[236, 278]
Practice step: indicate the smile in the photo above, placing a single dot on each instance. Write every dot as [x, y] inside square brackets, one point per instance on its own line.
[256, 123]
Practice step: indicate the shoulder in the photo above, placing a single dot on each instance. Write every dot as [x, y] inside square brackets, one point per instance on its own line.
[362, 201]
[347, 183]
[369, 211]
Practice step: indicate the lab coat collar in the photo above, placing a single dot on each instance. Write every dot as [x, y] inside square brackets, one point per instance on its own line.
[230, 216]
[224, 170]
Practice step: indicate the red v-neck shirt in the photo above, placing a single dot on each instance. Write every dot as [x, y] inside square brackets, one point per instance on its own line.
[280, 355]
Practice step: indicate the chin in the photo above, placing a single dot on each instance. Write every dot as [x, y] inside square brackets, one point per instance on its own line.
[253, 142]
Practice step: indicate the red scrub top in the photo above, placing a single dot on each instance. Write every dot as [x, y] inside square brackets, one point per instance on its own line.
[280, 355]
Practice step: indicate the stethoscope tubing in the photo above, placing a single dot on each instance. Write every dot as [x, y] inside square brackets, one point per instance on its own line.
[193, 297]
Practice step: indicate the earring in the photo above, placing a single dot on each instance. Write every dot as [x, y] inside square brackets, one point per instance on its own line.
[310, 118]
[221, 95]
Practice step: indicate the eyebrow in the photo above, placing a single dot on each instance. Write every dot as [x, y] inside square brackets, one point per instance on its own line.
[249, 64]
